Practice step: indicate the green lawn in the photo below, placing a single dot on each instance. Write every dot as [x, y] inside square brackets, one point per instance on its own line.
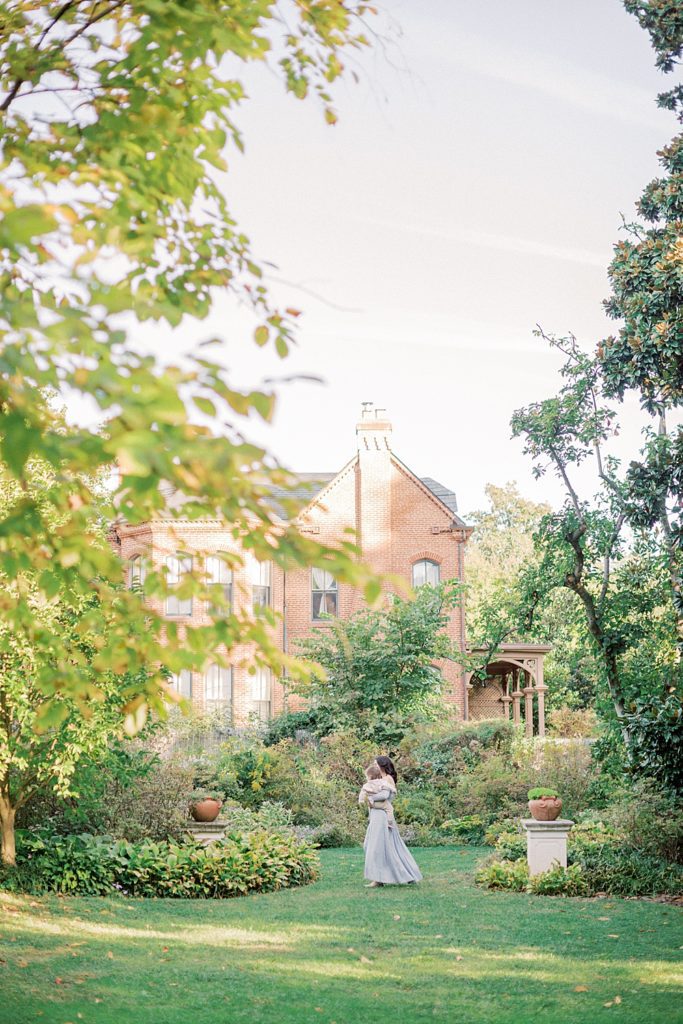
[337, 952]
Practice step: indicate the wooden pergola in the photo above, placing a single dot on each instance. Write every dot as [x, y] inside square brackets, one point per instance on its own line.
[513, 679]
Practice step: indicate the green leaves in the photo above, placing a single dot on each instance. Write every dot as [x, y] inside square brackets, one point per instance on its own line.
[23, 224]
[128, 152]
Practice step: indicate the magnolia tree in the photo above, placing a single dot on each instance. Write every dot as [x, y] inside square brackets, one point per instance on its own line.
[115, 121]
[616, 544]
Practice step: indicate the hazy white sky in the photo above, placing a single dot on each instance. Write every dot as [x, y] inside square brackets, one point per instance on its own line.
[472, 187]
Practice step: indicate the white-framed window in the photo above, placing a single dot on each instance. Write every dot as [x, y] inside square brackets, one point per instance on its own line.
[177, 567]
[218, 687]
[137, 571]
[182, 682]
[324, 593]
[259, 576]
[426, 571]
[219, 576]
[261, 693]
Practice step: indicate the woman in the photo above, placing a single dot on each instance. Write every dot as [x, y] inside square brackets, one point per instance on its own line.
[387, 858]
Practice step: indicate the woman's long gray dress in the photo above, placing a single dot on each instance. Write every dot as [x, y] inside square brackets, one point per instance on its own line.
[387, 858]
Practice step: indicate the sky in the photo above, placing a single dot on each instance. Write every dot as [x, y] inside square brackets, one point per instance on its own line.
[472, 188]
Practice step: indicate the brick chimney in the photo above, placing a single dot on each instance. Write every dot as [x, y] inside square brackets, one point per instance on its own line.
[373, 486]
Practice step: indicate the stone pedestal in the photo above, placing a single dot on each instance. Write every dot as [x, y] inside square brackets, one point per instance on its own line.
[206, 831]
[546, 843]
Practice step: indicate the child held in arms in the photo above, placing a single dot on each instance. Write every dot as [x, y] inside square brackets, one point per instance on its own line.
[375, 784]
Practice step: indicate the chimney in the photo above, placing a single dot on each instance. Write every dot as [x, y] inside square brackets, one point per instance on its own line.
[373, 432]
[373, 487]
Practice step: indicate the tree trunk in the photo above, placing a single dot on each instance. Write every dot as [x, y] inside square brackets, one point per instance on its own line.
[7, 813]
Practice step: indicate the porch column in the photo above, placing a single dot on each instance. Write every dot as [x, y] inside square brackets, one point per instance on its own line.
[506, 702]
[540, 690]
[516, 697]
[529, 710]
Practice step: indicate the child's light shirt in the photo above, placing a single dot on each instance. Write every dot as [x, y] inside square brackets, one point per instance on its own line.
[371, 788]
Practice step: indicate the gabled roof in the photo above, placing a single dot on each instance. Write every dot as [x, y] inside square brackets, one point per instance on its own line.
[310, 485]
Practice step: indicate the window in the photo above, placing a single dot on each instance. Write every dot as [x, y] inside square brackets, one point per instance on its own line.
[219, 575]
[259, 576]
[182, 682]
[218, 687]
[137, 572]
[426, 571]
[177, 567]
[324, 593]
[260, 693]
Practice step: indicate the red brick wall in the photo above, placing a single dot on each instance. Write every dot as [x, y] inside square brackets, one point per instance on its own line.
[396, 519]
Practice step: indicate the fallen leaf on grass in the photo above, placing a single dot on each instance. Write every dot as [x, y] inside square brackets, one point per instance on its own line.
[350, 949]
[364, 960]
[397, 917]
[458, 958]
[23, 963]
[59, 981]
[613, 1002]
[612, 936]
[581, 988]
[110, 955]
[164, 949]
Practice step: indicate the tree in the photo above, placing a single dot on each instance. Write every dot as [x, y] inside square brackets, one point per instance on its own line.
[617, 576]
[44, 735]
[115, 117]
[378, 666]
[646, 354]
[508, 598]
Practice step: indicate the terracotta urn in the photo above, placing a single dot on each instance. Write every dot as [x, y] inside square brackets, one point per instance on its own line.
[205, 810]
[546, 808]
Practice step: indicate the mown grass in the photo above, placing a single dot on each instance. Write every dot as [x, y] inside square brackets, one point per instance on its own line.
[336, 953]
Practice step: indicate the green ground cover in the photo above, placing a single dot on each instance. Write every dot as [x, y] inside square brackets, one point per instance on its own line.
[337, 953]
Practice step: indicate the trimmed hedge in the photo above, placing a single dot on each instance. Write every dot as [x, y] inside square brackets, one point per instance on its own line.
[257, 861]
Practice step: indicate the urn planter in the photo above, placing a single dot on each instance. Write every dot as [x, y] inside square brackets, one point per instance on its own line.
[545, 808]
[205, 810]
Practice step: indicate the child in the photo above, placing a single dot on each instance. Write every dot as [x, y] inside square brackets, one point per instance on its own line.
[376, 784]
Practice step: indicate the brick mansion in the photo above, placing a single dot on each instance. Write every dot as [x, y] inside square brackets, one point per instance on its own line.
[405, 525]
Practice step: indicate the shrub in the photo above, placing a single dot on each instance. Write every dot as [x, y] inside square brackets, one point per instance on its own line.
[605, 863]
[469, 829]
[95, 865]
[649, 818]
[286, 726]
[271, 816]
[514, 877]
[568, 767]
[504, 874]
[559, 881]
[622, 871]
[130, 794]
[571, 723]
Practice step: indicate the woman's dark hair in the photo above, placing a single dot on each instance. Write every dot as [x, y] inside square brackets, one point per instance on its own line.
[387, 765]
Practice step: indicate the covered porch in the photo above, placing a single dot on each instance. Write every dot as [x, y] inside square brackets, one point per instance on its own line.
[514, 679]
